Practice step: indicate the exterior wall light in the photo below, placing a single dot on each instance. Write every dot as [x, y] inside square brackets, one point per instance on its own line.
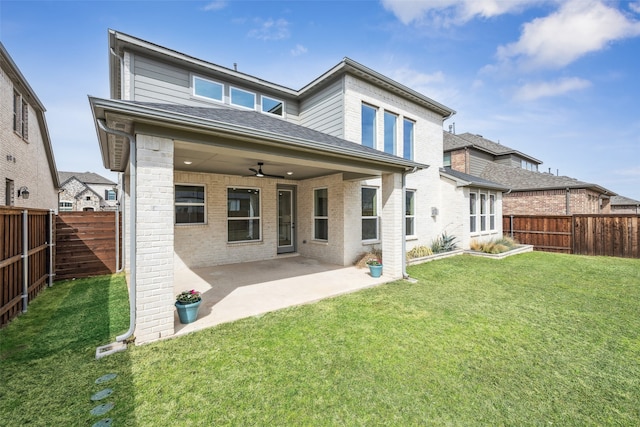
[23, 192]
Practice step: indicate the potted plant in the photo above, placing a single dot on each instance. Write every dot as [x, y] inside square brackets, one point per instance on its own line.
[187, 304]
[375, 267]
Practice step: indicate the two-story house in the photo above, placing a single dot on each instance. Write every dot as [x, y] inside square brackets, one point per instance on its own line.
[530, 192]
[222, 167]
[27, 163]
[86, 191]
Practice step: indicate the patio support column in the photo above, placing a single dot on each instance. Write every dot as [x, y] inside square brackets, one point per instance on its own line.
[154, 238]
[392, 217]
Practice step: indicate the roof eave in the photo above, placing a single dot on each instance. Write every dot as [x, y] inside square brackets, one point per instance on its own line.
[183, 121]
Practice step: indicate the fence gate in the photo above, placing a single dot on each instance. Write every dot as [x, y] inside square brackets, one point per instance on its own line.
[86, 244]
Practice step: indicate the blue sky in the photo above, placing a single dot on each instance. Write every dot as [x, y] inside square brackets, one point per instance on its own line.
[558, 80]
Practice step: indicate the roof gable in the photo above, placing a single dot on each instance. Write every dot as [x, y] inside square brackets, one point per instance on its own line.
[452, 142]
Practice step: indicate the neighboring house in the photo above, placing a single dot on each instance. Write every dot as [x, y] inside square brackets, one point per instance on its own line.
[27, 163]
[86, 191]
[624, 205]
[530, 192]
[222, 167]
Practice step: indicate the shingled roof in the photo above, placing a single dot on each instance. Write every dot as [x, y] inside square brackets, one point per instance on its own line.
[453, 142]
[623, 201]
[265, 123]
[471, 180]
[84, 177]
[518, 179]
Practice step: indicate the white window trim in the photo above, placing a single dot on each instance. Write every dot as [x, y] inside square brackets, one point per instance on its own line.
[376, 217]
[313, 225]
[255, 98]
[487, 215]
[193, 89]
[189, 224]
[259, 217]
[414, 235]
[272, 99]
[375, 124]
[475, 216]
[395, 133]
[413, 138]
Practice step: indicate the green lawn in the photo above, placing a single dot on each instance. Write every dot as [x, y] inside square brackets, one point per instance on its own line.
[534, 339]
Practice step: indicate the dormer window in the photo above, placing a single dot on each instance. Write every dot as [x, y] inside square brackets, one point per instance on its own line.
[272, 106]
[207, 89]
[242, 98]
[530, 166]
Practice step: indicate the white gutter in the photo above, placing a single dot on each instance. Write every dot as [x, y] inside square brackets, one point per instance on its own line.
[113, 348]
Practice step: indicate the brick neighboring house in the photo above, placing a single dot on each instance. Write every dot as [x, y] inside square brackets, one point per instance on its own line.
[530, 192]
[624, 205]
[86, 191]
[222, 167]
[27, 163]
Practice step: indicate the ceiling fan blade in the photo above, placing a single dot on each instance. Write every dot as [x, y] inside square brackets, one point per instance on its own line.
[253, 170]
[273, 176]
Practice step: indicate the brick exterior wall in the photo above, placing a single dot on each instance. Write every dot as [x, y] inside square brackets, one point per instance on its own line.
[80, 197]
[154, 253]
[460, 161]
[427, 149]
[553, 202]
[23, 162]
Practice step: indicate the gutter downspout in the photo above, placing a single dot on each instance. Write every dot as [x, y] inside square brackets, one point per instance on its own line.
[120, 345]
[405, 275]
[568, 202]
[120, 214]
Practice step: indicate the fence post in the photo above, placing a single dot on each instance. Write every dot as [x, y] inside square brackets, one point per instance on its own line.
[52, 272]
[25, 260]
[511, 227]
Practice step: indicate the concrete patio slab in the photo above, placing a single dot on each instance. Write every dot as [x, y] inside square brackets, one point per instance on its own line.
[236, 291]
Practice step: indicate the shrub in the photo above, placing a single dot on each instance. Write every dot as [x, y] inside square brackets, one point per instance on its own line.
[494, 246]
[419, 252]
[444, 243]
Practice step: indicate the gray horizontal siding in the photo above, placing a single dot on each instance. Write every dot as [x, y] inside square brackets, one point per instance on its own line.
[323, 111]
[155, 81]
[478, 161]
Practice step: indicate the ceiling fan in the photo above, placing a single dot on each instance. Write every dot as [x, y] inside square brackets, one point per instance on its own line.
[261, 174]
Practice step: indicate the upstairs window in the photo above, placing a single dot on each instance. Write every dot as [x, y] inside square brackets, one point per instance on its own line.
[208, 89]
[530, 166]
[369, 125]
[272, 106]
[446, 159]
[243, 214]
[242, 98]
[189, 204]
[407, 139]
[390, 131]
[321, 214]
[369, 213]
[109, 195]
[20, 116]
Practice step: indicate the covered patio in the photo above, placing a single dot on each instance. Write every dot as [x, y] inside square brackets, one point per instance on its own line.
[235, 291]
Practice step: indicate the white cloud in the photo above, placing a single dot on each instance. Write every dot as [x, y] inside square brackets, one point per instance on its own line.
[413, 79]
[215, 5]
[446, 12]
[298, 50]
[532, 91]
[271, 30]
[576, 29]
[635, 6]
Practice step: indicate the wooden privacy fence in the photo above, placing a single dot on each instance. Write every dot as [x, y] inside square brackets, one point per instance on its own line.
[27, 252]
[607, 235]
[86, 244]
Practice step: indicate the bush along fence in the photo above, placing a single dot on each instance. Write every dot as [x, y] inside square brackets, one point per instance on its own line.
[27, 254]
[605, 235]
